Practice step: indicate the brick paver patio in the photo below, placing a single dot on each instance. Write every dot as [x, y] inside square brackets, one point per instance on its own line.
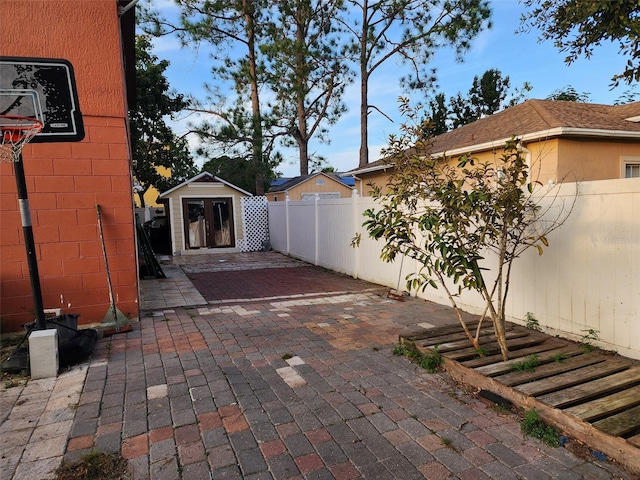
[303, 387]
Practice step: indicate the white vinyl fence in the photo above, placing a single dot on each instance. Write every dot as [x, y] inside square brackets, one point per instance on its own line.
[587, 279]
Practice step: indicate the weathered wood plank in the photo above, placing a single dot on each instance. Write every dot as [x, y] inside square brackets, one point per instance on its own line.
[515, 352]
[464, 348]
[438, 331]
[459, 338]
[574, 377]
[635, 440]
[620, 424]
[490, 349]
[543, 357]
[615, 447]
[586, 391]
[544, 371]
[452, 333]
[607, 406]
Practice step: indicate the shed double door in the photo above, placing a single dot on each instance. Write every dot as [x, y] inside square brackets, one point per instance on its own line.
[208, 222]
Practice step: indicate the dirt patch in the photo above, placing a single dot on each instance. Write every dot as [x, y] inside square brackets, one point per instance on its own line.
[96, 466]
[8, 344]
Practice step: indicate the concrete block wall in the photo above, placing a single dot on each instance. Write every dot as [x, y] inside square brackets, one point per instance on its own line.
[65, 180]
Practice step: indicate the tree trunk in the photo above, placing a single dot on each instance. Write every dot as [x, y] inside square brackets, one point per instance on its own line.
[454, 304]
[498, 317]
[256, 117]
[364, 92]
[301, 135]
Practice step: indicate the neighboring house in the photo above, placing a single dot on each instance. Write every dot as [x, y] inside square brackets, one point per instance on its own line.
[151, 195]
[306, 187]
[563, 141]
[204, 213]
[65, 181]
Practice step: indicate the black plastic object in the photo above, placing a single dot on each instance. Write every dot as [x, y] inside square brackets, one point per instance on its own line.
[74, 345]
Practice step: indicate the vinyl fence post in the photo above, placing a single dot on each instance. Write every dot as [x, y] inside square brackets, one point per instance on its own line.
[316, 232]
[286, 215]
[356, 228]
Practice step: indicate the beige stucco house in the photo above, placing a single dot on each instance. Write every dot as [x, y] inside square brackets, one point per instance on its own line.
[563, 142]
[204, 215]
[305, 187]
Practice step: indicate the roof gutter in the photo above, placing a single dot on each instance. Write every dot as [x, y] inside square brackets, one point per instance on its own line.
[553, 132]
[124, 9]
[370, 169]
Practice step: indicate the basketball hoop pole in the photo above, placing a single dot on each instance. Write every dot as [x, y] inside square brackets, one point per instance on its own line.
[29, 243]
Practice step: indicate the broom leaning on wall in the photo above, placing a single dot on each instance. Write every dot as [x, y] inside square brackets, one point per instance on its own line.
[114, 320]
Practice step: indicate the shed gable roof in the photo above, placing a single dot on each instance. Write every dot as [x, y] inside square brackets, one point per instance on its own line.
[204, 177]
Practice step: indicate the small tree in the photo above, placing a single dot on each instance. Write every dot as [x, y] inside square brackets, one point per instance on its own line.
[449, 217]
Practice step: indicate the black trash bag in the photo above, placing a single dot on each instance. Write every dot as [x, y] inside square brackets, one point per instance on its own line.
[73, 345]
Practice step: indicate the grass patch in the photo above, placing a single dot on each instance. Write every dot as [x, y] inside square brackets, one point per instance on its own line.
[560, 357]
[95, 465]
[447, 443]
[287, 356]
[429, 362]
[533, 426]
[529, 364]
[481, 352]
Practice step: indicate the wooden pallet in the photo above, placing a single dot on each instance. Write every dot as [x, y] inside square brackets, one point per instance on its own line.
[591, 395]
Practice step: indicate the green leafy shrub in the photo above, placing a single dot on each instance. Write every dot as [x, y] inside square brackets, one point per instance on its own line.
[533, 426]
[429, 362]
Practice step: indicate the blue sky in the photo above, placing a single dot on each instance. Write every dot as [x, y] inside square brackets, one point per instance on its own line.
[518, 56]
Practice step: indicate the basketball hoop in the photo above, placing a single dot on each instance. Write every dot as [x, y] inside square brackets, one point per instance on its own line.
[16, 133]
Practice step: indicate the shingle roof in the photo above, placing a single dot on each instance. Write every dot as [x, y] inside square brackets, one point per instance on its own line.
[292, 182]
[535, 118]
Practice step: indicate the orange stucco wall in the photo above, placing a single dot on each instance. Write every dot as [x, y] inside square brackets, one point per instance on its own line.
[584, 159]
[555, 159]
[65, 181]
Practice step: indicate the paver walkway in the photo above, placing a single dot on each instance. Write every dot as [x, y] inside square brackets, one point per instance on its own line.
[297, 388]
[36, 421]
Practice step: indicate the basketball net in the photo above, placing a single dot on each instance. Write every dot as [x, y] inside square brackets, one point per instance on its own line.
[16, 133]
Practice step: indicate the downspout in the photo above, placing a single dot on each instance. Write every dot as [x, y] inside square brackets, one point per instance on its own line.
[361, 182]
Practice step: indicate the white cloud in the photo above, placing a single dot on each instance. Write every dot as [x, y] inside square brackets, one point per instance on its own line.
[162, 45]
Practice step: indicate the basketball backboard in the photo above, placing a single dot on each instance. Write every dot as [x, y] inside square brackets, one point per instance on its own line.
[42, 88]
